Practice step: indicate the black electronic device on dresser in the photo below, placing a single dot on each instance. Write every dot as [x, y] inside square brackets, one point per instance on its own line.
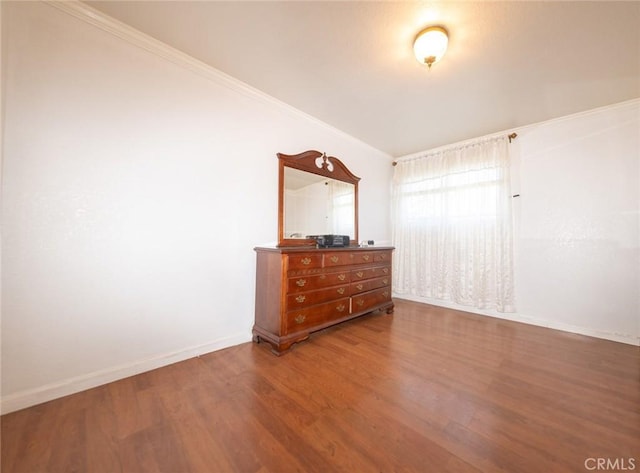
[330, 241]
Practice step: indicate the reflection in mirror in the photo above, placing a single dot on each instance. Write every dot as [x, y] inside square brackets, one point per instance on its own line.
[317, 205]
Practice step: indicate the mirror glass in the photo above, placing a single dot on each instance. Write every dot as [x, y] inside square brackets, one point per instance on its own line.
[317, 205]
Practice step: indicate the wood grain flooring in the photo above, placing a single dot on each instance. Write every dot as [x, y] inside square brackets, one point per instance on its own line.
[424, 390]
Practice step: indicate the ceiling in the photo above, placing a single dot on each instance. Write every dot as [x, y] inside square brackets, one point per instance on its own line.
[350, 64]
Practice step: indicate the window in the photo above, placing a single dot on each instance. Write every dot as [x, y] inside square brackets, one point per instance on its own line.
[452, 226]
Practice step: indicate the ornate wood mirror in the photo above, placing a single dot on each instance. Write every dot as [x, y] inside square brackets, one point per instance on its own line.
[317, 195]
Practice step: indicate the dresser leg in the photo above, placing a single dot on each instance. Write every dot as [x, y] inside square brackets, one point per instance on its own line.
[280, 349]
[390, 309]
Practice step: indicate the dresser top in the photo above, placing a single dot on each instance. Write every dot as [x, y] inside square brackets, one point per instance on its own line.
[307, 249]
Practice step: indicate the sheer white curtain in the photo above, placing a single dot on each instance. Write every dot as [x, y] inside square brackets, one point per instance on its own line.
[452, 226]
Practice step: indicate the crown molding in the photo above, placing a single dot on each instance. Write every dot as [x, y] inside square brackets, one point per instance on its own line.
[137, 38]
[631, 103]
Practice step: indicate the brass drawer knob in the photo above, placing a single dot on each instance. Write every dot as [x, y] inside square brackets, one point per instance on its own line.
[300, 318]
[365, 257]
[334, 259]
[359, 286]
[360, 302]
[385, 293]
[301, 282]
[385, 270]
[341, 308]
[301, 298]
[385, 281]
[306, 261]
[342, 277]
[359, 274]
[341, 290]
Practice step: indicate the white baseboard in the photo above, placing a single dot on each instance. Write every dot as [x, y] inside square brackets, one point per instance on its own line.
[615, 337]
[31, 397]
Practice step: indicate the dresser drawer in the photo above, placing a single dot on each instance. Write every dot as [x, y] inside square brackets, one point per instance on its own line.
[305, 299]
[304, 260]
[369, 284]
[338, 258]
[318, 281]
[316, 315]
[363, 257]
[367, 300]
[342, 258]
[368, 273]
[382, 257]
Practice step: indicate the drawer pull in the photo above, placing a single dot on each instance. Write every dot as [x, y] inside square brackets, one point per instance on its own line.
[300, 318]
[385, 281]
[341, 290]
[302, 282]
[360, 302]
[385, 293]
[385, 270]
[334, 259]
[341, 308]
[342, 277]
[306, 261]
[301, 298]
[365, 257]
[359, 286]
[359, 274]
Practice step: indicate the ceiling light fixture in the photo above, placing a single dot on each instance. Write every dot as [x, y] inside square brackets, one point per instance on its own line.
[430, 45]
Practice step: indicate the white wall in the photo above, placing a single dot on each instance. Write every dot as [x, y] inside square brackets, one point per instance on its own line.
[578, 246]
[136, 183]
[577, 236]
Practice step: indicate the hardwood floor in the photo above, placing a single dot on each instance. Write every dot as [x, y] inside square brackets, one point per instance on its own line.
[424, 390]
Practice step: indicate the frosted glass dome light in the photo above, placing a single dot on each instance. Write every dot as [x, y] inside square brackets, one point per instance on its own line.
[430, 45]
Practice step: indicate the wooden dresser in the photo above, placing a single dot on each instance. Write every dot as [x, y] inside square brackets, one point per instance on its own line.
[301, 290]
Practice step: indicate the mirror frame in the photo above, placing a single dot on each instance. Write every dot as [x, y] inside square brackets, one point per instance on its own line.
[307, 161]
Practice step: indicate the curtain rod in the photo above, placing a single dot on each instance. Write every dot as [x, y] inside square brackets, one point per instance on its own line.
[511, 136]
